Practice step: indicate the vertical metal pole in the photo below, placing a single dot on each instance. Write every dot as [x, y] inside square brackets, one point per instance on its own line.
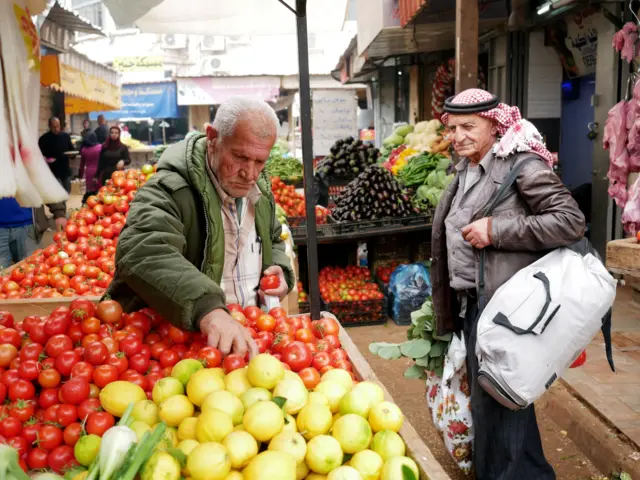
[307, 157]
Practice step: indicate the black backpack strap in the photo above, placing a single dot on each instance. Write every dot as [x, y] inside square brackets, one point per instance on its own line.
[495, 200]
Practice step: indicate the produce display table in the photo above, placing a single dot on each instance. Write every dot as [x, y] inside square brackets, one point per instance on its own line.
[429, 467]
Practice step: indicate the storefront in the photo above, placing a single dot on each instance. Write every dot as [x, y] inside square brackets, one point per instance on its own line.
[146, 107]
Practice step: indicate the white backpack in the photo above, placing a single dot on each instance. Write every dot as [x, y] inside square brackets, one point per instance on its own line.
[539, 321]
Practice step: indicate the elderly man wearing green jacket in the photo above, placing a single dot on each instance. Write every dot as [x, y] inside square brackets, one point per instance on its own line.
[202, 231]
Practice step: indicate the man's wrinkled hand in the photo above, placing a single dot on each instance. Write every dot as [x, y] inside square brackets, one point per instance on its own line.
[61, 223]
[478, 233]
[283, 288]
[226, 334]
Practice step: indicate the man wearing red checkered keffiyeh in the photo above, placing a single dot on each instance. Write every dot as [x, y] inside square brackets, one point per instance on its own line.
[537, 215]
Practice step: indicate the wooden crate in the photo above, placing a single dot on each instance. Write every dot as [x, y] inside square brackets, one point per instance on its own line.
[430, 468]
[24, 307]
[623, 257]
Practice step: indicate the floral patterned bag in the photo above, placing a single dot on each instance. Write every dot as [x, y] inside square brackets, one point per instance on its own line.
[449, 400]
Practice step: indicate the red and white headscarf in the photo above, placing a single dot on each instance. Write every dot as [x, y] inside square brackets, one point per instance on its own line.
[517, 134]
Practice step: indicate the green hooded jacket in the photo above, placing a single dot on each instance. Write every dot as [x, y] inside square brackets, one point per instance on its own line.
[170, 255]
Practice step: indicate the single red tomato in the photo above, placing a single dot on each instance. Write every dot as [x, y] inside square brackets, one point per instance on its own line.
[67, 414]
[104, 375]
[266, 323]
[338, 354]
[37, 459]
[48, 397]
[49, 378]
[49, 437]
[138, 379]
[21, 390]
[297, 356]
[10, 336]
[233, 362]
[58, 344]
[131, 345]
[152, 378]
[87, 407]
[75, 391]
[139, 320]
[310, 377]
[62, 459]
[30, 430]
[253, 313]
[343, 365]
[95, 353]
[109, 311]
[82, 308]
[140, 363]
[269, 282]
[23, 410]
[118, 360]
[72, 433]
[29, 370]
[169, 358]
[10, 427]
[321, 360]
[31, 351]
[178, 335]
[263, 345]
[65, 362]
[20, 444]
[6, 319]
[82, 370]
[211, 356]
[51, 414]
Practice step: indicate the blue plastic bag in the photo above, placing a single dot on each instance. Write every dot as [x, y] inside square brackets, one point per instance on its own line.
[409, 287]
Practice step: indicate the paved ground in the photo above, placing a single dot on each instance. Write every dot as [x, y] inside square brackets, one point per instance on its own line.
[615, 395]
[566, 458]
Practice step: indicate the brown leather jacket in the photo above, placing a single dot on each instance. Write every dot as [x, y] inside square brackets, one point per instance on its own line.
[537, 217]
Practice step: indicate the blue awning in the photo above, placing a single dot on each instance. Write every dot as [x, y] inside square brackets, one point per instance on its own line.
[145, 100]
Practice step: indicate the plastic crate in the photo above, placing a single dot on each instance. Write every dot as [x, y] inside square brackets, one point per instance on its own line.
[322, 230]
[359, 313]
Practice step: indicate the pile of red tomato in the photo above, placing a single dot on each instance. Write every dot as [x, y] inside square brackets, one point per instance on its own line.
[309, 348]
[52, 369]
[81, 261]
[293, 203]
[350, 284]
[383, 273]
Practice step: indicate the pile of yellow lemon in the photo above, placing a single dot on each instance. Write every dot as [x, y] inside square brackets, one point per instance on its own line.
[261, 423]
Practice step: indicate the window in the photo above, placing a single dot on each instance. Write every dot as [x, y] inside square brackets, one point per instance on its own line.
[93, 13]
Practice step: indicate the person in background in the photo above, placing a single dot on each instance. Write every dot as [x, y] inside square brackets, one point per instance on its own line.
[102, 132]
[113, 156]
[21, 229]
[86, 128]
[53, 146]
[89, 160]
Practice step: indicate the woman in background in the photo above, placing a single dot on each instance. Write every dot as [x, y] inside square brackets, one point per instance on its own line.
[114, 156]
[89, 160]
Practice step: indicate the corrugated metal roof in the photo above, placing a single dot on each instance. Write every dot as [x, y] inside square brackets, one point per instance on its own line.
[70, 20]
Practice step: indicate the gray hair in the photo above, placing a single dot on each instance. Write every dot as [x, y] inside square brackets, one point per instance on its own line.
[263, 118]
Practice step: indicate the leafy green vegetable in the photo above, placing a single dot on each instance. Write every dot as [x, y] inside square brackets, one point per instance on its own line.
[423, 346]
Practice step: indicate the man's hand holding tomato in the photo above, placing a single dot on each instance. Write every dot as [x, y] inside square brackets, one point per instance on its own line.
[273, 283]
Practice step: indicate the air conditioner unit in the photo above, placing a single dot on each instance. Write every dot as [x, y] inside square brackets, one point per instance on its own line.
[212, 43]
[238, 40]
[213, 66]
[174, 41]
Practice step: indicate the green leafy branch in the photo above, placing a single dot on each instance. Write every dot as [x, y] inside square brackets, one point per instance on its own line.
[423, 345]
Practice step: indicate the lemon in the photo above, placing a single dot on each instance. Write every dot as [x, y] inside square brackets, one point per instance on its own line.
[289, 424]
[302, 471]
[323, 454]
[313, 420]
[169, 438]
[264, 420]
[116, 396]
[233, 475]
[386, 416]
[185, 368]
[388, 444]
[290, 442]
[318, 397]
[242, 447]
[392, 468]
[165, 388]
[339, 376]
[162, 465]
[188, 446]
[226, 402]
[315, 476]
[368, 463]
[265, 371]
[334, 392]
[352, 402]
[344, 473]
[209, 461]
[213, 426]
[237, 382]
[254, 395]
[271, 465]
[145, 411]
[86, 449]
[139, 428]
[352, 432]
[175, 409]
[202, 383]
[187, 429]
[370, 390]
[295, 392]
